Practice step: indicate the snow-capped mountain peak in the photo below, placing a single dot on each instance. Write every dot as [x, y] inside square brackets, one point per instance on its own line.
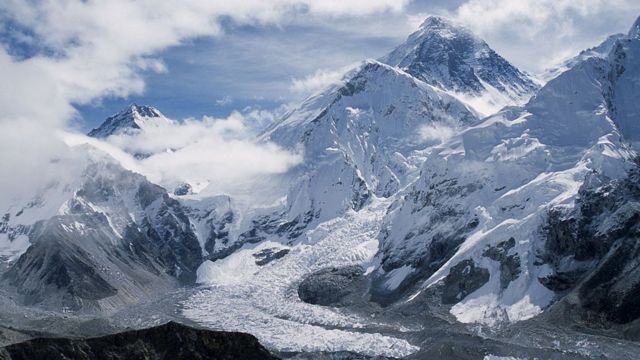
[450, 57]
[134, 117]
[600, 51]
[634, 32]
[445, 27]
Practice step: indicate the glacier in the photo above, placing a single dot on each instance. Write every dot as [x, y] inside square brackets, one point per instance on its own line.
[437, 200]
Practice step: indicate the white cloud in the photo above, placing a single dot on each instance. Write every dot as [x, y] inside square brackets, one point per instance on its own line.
[221, 152]
[315, 82]
[226, 100]
[436, 133]
[537, 33]
[98, 49]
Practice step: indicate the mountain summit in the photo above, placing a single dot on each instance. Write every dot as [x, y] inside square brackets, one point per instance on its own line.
[634, 32]
[135, 117]
[450, 57]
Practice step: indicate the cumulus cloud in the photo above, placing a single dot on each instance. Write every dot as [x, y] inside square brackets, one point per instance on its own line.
[88, 50]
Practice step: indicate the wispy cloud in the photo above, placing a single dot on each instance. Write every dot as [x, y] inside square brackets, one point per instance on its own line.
[317, 81]
[537, 33]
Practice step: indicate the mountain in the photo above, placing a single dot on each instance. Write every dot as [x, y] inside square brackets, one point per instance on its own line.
[168, 341]
[358, 139]
[602, 50]
[450, 57]
[409, 210]
[106, 239]
[133, 118]
[531, 205]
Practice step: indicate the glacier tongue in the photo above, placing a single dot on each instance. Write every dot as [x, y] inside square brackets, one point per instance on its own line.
[242, 296]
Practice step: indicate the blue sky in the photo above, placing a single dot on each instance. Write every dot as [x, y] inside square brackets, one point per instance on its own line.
[253, 66]
[245, 61]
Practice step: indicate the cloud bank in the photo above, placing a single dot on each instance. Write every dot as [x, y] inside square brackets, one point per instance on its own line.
[218, 153]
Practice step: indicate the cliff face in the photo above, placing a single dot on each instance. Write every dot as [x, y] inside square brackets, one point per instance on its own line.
[169, 341]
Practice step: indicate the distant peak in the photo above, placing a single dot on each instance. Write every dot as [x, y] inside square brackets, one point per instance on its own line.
[142, 110]
[449, 56]
[634, 32]
[437, 21]
[133, 116]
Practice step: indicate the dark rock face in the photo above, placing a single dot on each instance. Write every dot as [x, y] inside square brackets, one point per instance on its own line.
[431, 241]
[183, 189]
[595, 250]
[268, 255]
[96, 259]
[449, 56]
[463, 279]
[329, 286]
[170, 341]
[509, 264]
[124, 120]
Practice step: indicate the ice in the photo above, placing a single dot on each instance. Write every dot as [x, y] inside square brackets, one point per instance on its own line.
[263, 301]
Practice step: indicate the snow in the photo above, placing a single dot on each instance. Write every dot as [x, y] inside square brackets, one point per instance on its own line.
[394, 156]
[506, 173]
[242, 296]
[396, 276]
[10, 250]
[133, 118]
[427, 55]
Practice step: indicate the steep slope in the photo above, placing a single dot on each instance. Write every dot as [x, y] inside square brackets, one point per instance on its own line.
[133, 118]
[450, 57]
[359, 139]
[472, 227]
[624, 76]
[602, 51]
[114, 239]
[594, 251]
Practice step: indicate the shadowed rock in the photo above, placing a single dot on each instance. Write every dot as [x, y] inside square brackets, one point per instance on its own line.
[329, 286]
[170, 341]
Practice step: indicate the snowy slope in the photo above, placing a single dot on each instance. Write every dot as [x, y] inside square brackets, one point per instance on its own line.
[450, 57]
[400, 176]
[359, 138]
[602, 50]
[472, 225]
